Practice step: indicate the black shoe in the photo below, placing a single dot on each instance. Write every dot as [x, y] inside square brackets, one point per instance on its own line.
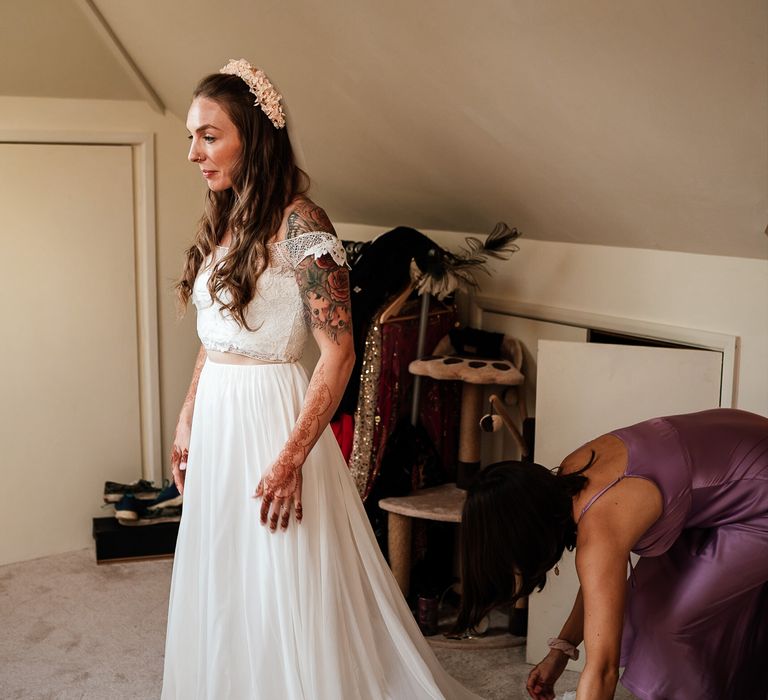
[167, 498]
[114, 491]
[154, 516]
[130, 508]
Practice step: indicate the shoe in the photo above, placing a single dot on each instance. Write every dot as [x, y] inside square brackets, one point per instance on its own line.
[167, 498]
[154, 516]
[114, 491]
[130, 507]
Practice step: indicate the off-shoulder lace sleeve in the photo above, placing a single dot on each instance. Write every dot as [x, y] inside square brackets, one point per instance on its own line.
[316, 243]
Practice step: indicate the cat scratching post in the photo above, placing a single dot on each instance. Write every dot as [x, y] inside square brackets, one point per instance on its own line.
[475, 374]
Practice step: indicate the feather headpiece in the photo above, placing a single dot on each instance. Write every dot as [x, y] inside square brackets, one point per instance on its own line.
[446, 272]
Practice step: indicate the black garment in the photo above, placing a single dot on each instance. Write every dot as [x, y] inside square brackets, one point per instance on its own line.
[380, 271]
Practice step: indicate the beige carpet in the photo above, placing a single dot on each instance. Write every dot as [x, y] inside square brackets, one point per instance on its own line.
[72, 630]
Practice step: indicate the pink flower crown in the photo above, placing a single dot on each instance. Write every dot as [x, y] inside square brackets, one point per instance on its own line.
[267, 97]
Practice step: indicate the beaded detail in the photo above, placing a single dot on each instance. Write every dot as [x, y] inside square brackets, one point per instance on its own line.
[361, 458]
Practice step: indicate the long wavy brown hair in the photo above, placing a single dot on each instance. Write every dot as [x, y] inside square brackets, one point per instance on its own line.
[265, 180]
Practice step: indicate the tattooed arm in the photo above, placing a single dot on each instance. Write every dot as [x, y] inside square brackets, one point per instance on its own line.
[324, 287]
[180, 448]
[306, 217]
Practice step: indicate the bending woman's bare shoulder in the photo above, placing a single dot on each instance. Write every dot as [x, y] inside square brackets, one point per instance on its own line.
[615, 501]
[601, 460]
[619, 501]
[608, 451]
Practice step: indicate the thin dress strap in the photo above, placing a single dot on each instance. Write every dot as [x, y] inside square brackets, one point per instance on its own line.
[589, 505]
[598, 494]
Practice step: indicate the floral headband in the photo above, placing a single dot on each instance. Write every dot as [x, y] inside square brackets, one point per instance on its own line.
[267, 97]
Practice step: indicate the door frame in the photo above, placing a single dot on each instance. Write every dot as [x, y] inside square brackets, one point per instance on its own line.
[726, 344]
[145, 247]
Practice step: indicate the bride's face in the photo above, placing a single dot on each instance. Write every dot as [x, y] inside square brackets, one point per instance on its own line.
[216, 144]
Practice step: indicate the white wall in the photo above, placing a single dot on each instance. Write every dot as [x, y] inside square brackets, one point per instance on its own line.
[726, 295]
[179, 196]
[705, 292]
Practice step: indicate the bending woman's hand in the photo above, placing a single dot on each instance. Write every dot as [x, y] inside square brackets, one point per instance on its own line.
[280, 490]
[542, 679]
[180, 453]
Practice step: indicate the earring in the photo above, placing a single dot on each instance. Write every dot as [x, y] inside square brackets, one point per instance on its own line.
[557, 570]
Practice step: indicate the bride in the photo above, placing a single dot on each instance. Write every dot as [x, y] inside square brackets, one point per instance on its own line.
[278, 589]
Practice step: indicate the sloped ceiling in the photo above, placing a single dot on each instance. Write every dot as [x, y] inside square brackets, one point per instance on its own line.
[48, 48]
[592, 121]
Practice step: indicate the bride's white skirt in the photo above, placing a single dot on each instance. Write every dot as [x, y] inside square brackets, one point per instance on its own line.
[310, 613]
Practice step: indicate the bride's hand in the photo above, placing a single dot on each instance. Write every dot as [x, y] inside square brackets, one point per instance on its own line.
[280, 490]
[180, 453]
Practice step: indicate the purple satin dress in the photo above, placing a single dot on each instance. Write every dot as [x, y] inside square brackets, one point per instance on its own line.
[696, 622]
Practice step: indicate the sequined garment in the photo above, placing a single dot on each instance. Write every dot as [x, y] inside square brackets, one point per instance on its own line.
[385, 398]
[365, 414]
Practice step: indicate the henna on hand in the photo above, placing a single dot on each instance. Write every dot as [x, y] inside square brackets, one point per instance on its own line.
[283, 479]
[285, 509]
[179, 460]
[189, 399]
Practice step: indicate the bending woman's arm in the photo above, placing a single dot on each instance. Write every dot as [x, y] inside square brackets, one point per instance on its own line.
[573, 629]
[606, 537]
[543, 676]
[602, 570]
[324, 287]
[180, 447]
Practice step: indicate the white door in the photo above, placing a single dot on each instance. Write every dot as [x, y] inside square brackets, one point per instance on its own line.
[69, 412]
[585, 390]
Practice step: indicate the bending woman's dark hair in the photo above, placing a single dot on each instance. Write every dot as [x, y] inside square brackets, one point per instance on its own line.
[517, 520]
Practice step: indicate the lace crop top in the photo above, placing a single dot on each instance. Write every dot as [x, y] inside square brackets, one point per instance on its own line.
[276, 311]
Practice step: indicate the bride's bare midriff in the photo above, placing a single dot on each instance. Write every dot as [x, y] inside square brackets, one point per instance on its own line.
[232, 358]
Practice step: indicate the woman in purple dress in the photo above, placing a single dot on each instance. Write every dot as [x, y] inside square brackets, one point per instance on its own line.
[688, 493]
